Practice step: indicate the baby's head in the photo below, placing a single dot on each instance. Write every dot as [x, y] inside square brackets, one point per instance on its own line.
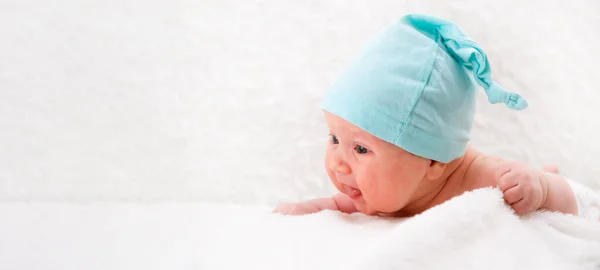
[379, 176]
[404, 109]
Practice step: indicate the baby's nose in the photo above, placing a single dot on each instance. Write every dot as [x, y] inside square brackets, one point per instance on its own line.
[337, 164]
[340, 167]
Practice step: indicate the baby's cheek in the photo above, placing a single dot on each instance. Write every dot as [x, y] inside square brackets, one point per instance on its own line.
[368, 186]
[375, 195]
[388, 202]
[332, 179]
[385, 195]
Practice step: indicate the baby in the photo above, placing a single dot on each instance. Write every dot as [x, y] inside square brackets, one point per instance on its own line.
[400, 119]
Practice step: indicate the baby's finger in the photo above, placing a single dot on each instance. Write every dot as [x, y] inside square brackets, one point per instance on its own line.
[284, 208]
[514, 194]
[522, 207]
[508, 180]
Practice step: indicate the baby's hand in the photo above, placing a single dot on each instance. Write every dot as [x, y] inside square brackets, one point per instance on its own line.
[524, 189]
[302, 208]
[340, 202]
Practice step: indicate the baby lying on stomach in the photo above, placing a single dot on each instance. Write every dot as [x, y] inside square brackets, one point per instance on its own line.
[400, 119]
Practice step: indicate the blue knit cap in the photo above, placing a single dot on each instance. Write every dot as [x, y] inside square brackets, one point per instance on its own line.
[414, 85]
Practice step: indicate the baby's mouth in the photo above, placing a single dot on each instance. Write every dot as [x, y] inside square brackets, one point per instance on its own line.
[353, 193]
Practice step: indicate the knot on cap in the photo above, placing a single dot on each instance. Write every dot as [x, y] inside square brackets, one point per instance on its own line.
[468, 54]
[497, 94]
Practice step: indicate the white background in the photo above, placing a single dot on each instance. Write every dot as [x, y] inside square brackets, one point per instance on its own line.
[218, 101]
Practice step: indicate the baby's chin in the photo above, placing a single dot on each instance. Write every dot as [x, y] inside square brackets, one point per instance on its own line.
[366, 209]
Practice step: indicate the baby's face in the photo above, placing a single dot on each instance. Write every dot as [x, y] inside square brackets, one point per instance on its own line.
[379, 177]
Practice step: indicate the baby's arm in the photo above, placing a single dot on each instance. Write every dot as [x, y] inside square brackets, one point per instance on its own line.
[340, 202]
[526, 189]
[560, 196]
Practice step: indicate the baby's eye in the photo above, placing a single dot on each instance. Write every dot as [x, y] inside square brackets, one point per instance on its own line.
[361, 150]
[334, 139]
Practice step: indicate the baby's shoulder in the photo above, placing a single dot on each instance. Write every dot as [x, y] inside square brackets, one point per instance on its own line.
[490, 166]
[484, 171]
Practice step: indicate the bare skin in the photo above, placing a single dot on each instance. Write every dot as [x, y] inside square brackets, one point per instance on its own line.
[377, 178]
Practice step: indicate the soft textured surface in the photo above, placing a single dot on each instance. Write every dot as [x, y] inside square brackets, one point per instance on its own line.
[474, 231]
[218, 100]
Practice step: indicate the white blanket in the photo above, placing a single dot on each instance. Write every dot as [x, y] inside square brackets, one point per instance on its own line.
[473, 231]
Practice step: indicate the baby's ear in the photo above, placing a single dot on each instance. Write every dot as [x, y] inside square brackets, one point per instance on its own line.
[436, 169]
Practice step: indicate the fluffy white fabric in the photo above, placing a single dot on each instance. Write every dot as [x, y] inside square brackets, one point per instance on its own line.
[473, 231]
[478, 231]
